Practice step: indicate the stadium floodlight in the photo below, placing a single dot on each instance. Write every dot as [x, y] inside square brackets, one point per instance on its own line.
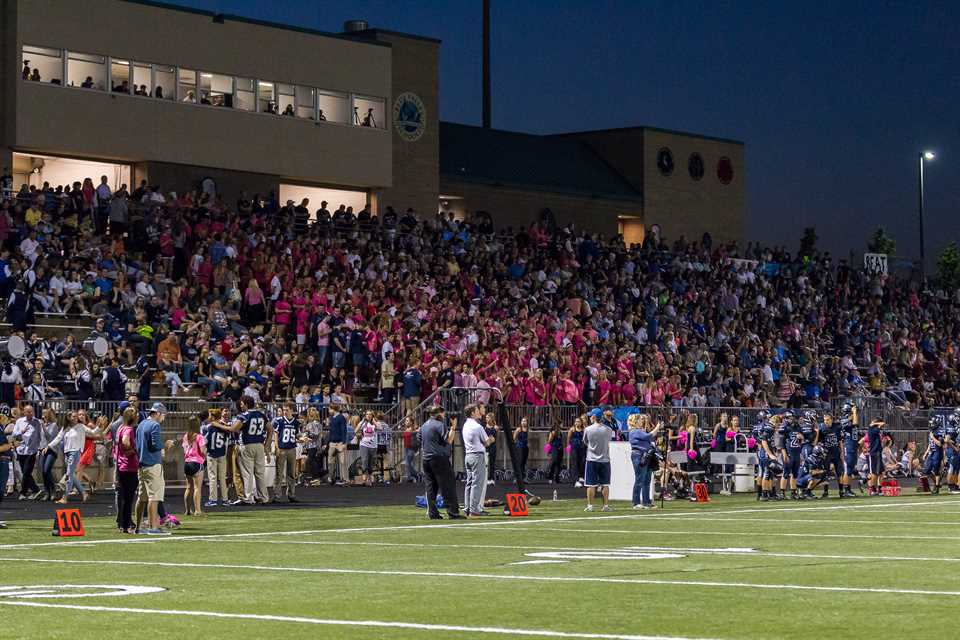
[927, 155]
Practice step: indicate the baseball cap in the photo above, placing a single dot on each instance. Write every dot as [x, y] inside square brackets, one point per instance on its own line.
[123, 406]
[158, 408]
[595, 413]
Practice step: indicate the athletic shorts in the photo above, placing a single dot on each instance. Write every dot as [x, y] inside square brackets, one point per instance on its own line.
[833, 458]
[792, 467]
[932, 464]
[875, 463]
[850, 460]
[598, 474]
[151, 482]
[191, 468]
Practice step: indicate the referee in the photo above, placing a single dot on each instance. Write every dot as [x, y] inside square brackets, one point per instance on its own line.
[436, 441]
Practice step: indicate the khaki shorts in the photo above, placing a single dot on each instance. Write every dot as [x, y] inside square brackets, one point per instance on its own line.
[151, 482]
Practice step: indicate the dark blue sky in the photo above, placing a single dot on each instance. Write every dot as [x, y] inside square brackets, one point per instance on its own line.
[833, 99]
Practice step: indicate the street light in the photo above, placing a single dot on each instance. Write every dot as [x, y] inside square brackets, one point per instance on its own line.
[928, 156]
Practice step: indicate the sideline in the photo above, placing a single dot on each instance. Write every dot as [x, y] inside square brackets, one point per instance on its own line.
[472, 525]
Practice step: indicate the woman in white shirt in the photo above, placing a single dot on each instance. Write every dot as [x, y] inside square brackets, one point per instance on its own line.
[72, 438]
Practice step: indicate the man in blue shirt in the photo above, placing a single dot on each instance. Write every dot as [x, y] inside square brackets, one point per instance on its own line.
[287, 428]
[412, 384]
[874, 439]
[337, 445]
[934, 461]
[150, 474]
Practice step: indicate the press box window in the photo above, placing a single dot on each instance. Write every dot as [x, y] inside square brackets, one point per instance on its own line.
[216, 89]
[142, 79]
[244, 95]
[334, 107]
[42, 65]
[187, 85]
[266, 97]
[285, 99]
[368, 112]
[86, 70]
[306, 102]
[120, 75]
[165, 82]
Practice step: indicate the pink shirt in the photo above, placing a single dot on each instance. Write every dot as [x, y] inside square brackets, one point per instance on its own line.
[126, 461]
[193, 452]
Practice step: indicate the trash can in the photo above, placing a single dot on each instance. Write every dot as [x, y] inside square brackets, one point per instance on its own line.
[743, 481]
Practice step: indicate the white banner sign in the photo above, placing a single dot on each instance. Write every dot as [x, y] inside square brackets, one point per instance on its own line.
[875, 262]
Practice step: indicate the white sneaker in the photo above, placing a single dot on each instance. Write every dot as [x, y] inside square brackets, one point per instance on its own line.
[578, 484]
[589, 507]
[606, 507]
[638, 506]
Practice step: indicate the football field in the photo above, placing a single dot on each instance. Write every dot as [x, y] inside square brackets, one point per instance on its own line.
[730, 569]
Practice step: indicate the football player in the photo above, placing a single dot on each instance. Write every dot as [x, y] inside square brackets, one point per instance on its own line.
[808, 427]
[951, 442]
[933, 460]
[811, 472]
[793, 452]
[848, 446]
[829, 437]
[765, 433]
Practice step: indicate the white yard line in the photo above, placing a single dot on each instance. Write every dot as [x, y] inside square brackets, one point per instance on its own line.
[380, 624]
[492, 576]
[502, 547]
[471, 525]
[753, 534]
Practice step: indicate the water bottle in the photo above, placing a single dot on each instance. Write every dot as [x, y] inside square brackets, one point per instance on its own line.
[554, 495]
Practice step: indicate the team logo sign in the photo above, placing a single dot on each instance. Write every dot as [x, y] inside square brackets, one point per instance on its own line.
[409, 116]
[73, 590]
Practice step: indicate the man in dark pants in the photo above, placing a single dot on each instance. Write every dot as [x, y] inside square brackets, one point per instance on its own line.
[436, 441]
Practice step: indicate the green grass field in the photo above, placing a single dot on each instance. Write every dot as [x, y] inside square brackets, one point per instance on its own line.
[863, 568]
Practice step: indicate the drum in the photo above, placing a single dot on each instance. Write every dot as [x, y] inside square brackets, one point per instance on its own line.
[13, 347]
[96, 347]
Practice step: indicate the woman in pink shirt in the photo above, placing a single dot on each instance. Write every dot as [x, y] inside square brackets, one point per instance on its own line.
[125, 454]
[194, 455]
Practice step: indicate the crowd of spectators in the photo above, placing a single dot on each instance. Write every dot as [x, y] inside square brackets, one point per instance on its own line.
[283, 301]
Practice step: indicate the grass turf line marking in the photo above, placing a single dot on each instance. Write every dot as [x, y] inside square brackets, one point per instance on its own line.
[471, 525]
[752, 533]
[705, 551]
[494, 576]
[348, 623]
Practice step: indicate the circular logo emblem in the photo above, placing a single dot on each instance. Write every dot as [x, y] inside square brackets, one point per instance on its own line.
[695, 166]
[724, 170]
[665, 161]
[409, 116]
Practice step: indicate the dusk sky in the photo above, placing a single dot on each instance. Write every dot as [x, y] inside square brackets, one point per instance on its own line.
[833, 99]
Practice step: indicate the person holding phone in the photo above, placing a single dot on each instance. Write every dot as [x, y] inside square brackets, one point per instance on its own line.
[643, 457]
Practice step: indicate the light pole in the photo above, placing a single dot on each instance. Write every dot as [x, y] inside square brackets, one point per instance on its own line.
[923, 156]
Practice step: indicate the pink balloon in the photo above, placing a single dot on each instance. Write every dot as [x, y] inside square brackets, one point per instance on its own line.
[713, 443]
[692, 454]
[751, 442]
[547, 448]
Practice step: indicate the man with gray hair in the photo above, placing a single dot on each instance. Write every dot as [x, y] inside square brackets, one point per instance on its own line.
[475, 443]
